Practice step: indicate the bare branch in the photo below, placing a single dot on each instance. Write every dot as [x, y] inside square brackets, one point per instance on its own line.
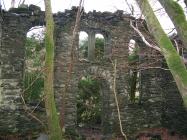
[171, 31]
[72, 59]
[30, 113]
[182, 57]
[37, 77]
[38, 104]
[131, 8]
[143, 38]
[153, 68]
[177, 46]
[159, 9]
[116, 99]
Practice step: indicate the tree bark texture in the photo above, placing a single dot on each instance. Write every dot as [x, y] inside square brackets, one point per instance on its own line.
[173, 60]
[55, 131]
[176, 14]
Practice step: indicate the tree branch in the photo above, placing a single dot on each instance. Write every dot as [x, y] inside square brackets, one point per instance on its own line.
[116, 99]
[143, 38]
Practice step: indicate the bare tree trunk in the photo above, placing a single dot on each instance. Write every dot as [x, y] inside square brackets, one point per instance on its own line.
[173, 60]
[55, 132]
[176, 14]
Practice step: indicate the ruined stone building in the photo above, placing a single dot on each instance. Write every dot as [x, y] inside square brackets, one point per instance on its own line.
[159, 104]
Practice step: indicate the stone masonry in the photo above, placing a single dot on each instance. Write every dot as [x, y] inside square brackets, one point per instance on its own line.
[160, 103]
[14, 27]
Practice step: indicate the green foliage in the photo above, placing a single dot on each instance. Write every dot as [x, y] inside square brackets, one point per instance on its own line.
[88, 102]
[33, 86]
[134, 57]
[33, 81]
[99, 48]
[133, 86]
[83, 48]
[33, 47]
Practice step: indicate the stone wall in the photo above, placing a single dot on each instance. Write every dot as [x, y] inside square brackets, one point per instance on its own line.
[12, 60]
[0, 47]
[160, 104]
[117, 33]
[173, 115]
[13, 30]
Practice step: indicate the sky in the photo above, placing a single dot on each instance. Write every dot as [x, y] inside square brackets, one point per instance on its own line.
[61, 5]
[103, 5]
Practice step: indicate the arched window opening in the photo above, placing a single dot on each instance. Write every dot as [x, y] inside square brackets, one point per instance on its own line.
[134, 82]
[99, 46]
[89, 103]
[37, 32]
[132, 51]
[34, 63]
[83, 45]
[34, 47]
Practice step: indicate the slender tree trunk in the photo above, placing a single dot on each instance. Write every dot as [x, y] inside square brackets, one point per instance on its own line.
[174, 62]
[176, 14]
[55, 132]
